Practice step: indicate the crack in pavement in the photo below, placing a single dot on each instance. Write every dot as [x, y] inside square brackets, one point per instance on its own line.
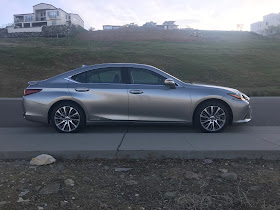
[118, 149]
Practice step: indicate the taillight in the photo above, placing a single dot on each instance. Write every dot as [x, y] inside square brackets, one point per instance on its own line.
[31, 91]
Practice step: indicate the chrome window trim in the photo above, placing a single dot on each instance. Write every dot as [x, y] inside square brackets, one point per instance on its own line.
[71, 80]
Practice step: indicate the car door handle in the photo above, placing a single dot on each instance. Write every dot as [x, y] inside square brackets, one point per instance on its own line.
[81, 89]
[136, 91]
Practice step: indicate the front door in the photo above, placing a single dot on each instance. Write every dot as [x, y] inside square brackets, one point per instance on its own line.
[151, 100]
[102, 92]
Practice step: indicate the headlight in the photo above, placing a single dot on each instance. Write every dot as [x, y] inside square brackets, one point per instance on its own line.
[240, 96]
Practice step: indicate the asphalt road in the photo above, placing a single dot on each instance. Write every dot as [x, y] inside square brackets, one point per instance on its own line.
[21, 139]
[265, 113]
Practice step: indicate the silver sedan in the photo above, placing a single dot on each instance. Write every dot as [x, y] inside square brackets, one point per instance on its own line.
[123, 92]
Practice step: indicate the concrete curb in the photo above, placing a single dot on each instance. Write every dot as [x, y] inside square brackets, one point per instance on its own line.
[60, 155]
[189, 155]
[152, 154]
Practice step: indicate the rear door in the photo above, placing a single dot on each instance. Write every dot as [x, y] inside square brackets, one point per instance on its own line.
[103, 92]
[151, 100]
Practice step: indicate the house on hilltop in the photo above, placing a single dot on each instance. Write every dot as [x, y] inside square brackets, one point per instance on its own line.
[272, 19]
[169, 25]
[43, 15]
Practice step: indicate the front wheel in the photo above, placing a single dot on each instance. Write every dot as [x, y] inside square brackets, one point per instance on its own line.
[212, 117]
[67, 118]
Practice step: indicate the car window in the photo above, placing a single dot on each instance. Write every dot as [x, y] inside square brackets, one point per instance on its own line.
[82, 77]
[144, 76]
[104, 75]
[107, 75]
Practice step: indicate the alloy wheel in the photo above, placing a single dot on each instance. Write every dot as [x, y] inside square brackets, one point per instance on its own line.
[67, 118]
[212, 118]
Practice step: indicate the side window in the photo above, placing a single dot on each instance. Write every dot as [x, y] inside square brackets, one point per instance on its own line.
[82, 77]
[144, 76]
[105, 75]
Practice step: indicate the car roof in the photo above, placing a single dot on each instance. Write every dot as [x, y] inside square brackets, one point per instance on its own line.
[106, 65]
[97, 66]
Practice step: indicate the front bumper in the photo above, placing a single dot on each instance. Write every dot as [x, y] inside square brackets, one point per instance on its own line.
[242, 113]
[241, 109]
[247, 118]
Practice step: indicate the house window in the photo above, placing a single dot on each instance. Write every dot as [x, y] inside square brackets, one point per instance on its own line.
[52, 14]
[28, 18]
[57, 13]
[54, 23]
[267, 23]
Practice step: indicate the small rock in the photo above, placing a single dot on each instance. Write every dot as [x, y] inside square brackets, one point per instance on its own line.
[50, 189]
[69, 182]
[170, 194]
[131, 182]
[41, 160]
[21, 200]
[23, 193]
[103, 206]
[192, 175]
[2, 203]
[254, 188]
[122, 169]
[207, 161]
[219, 180]
[122, 176]
[223, 170]
[229, 176]
[86, 179]
[106, 168]
[40, 208]
[73, 198]
[136, 194]
[63, 203]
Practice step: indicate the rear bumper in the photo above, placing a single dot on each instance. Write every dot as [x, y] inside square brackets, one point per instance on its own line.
[34, 111]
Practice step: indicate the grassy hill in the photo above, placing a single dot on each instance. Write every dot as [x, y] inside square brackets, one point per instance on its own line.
[240, 60]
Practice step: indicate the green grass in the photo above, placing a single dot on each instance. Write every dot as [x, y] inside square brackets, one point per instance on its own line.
[240, 60]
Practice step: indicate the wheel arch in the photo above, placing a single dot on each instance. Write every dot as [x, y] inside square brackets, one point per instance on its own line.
[64, 101]
[216, 100]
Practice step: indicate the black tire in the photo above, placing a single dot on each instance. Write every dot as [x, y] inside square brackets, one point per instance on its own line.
[218, 123]
[80, 116]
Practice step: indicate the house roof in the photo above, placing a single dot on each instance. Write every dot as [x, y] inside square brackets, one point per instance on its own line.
[76, 14]
[169, 23]
[24, 14]
[44, 3]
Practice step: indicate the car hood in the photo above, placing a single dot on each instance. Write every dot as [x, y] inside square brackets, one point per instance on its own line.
[215, 87]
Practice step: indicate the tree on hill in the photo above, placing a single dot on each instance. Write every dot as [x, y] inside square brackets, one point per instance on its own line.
[272, 30]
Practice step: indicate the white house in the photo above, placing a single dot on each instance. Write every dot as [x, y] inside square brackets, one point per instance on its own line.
[43, 15]
[268, 20]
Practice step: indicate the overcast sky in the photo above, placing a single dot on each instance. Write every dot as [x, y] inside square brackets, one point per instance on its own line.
[200, 14]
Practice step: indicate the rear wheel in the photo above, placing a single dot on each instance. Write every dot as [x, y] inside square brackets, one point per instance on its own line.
[67, 118]
[212, 117]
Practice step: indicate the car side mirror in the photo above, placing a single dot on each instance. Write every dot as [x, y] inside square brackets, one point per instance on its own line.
[170, 83]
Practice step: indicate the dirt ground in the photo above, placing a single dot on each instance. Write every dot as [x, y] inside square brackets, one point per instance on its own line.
[139, 184]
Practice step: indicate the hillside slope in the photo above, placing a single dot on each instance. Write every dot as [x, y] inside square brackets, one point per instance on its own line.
[236, 59]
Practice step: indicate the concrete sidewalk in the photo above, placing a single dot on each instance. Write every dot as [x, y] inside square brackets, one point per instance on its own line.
[236, 142]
